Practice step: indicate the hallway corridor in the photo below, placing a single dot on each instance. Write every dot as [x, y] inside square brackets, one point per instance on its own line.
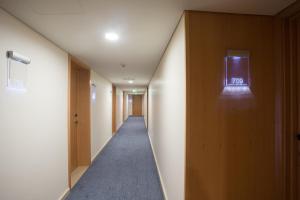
[124, 170]
[150, 100]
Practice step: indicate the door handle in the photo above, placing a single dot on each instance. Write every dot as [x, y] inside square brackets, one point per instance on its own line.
[298, 136]
[75, 120]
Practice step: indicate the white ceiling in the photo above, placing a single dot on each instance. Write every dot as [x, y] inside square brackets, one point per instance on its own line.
[144, 27]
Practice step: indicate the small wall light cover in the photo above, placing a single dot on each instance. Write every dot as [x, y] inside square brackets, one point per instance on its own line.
[18, 57]
[17, 70]
[237, 76]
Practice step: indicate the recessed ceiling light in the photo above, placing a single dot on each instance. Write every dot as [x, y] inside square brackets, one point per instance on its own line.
[134, 90]
[130, 81]
[111, 36]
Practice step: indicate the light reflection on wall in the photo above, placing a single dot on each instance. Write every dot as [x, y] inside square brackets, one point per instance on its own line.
[237, 78]
[94, 91]
[16, 86]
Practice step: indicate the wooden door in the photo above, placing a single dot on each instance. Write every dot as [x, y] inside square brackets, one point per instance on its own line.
[293, 107]
[287, 38]
[297, 49]
[79, 139]
[83, 118]
[73, 118]
[137, 105]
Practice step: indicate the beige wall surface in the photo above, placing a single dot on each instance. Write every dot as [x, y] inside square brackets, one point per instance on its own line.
[126, 104]
[33, 139]
[145, 109]
[119, 109]
[101, 111]
[129, 105]
[167, 113]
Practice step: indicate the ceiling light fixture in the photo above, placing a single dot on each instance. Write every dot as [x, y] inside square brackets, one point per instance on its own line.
[111, 36]
[130, 81]
[134, 90]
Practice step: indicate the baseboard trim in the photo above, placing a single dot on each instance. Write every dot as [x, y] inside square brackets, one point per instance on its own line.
[65, 194]
[99, 151]
[159, 173]
[118, 128]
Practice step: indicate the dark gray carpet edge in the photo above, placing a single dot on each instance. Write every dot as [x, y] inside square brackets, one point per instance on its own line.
[124, 170]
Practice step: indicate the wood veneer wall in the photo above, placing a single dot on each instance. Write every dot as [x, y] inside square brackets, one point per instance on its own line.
[230, 144]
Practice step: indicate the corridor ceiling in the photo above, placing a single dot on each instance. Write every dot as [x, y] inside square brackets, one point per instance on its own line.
[144, 28]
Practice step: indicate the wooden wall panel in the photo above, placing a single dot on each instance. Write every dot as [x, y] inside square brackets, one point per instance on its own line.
[230, 139]
[137, 105]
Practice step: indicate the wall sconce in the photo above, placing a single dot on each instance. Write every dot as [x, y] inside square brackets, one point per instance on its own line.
[18, 57]
[16, 72]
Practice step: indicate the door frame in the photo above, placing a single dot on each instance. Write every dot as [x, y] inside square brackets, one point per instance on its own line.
[72, 59]
[286, 119]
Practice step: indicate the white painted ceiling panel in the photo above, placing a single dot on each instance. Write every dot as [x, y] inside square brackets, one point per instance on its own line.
[144, 28]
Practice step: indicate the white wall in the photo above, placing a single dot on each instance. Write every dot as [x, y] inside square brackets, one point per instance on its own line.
[126, 106]
[129, 105]
[145, 111]
[167, 115]
[119, 109]
[33, 124]
[101, 111]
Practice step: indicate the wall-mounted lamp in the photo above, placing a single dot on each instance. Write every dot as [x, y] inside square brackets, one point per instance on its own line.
[18, 57]
[16, 72]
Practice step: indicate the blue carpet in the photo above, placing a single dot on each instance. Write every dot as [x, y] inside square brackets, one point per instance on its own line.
[124, 170]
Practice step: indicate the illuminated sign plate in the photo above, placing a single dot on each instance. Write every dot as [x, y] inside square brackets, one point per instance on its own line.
[237, 78]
